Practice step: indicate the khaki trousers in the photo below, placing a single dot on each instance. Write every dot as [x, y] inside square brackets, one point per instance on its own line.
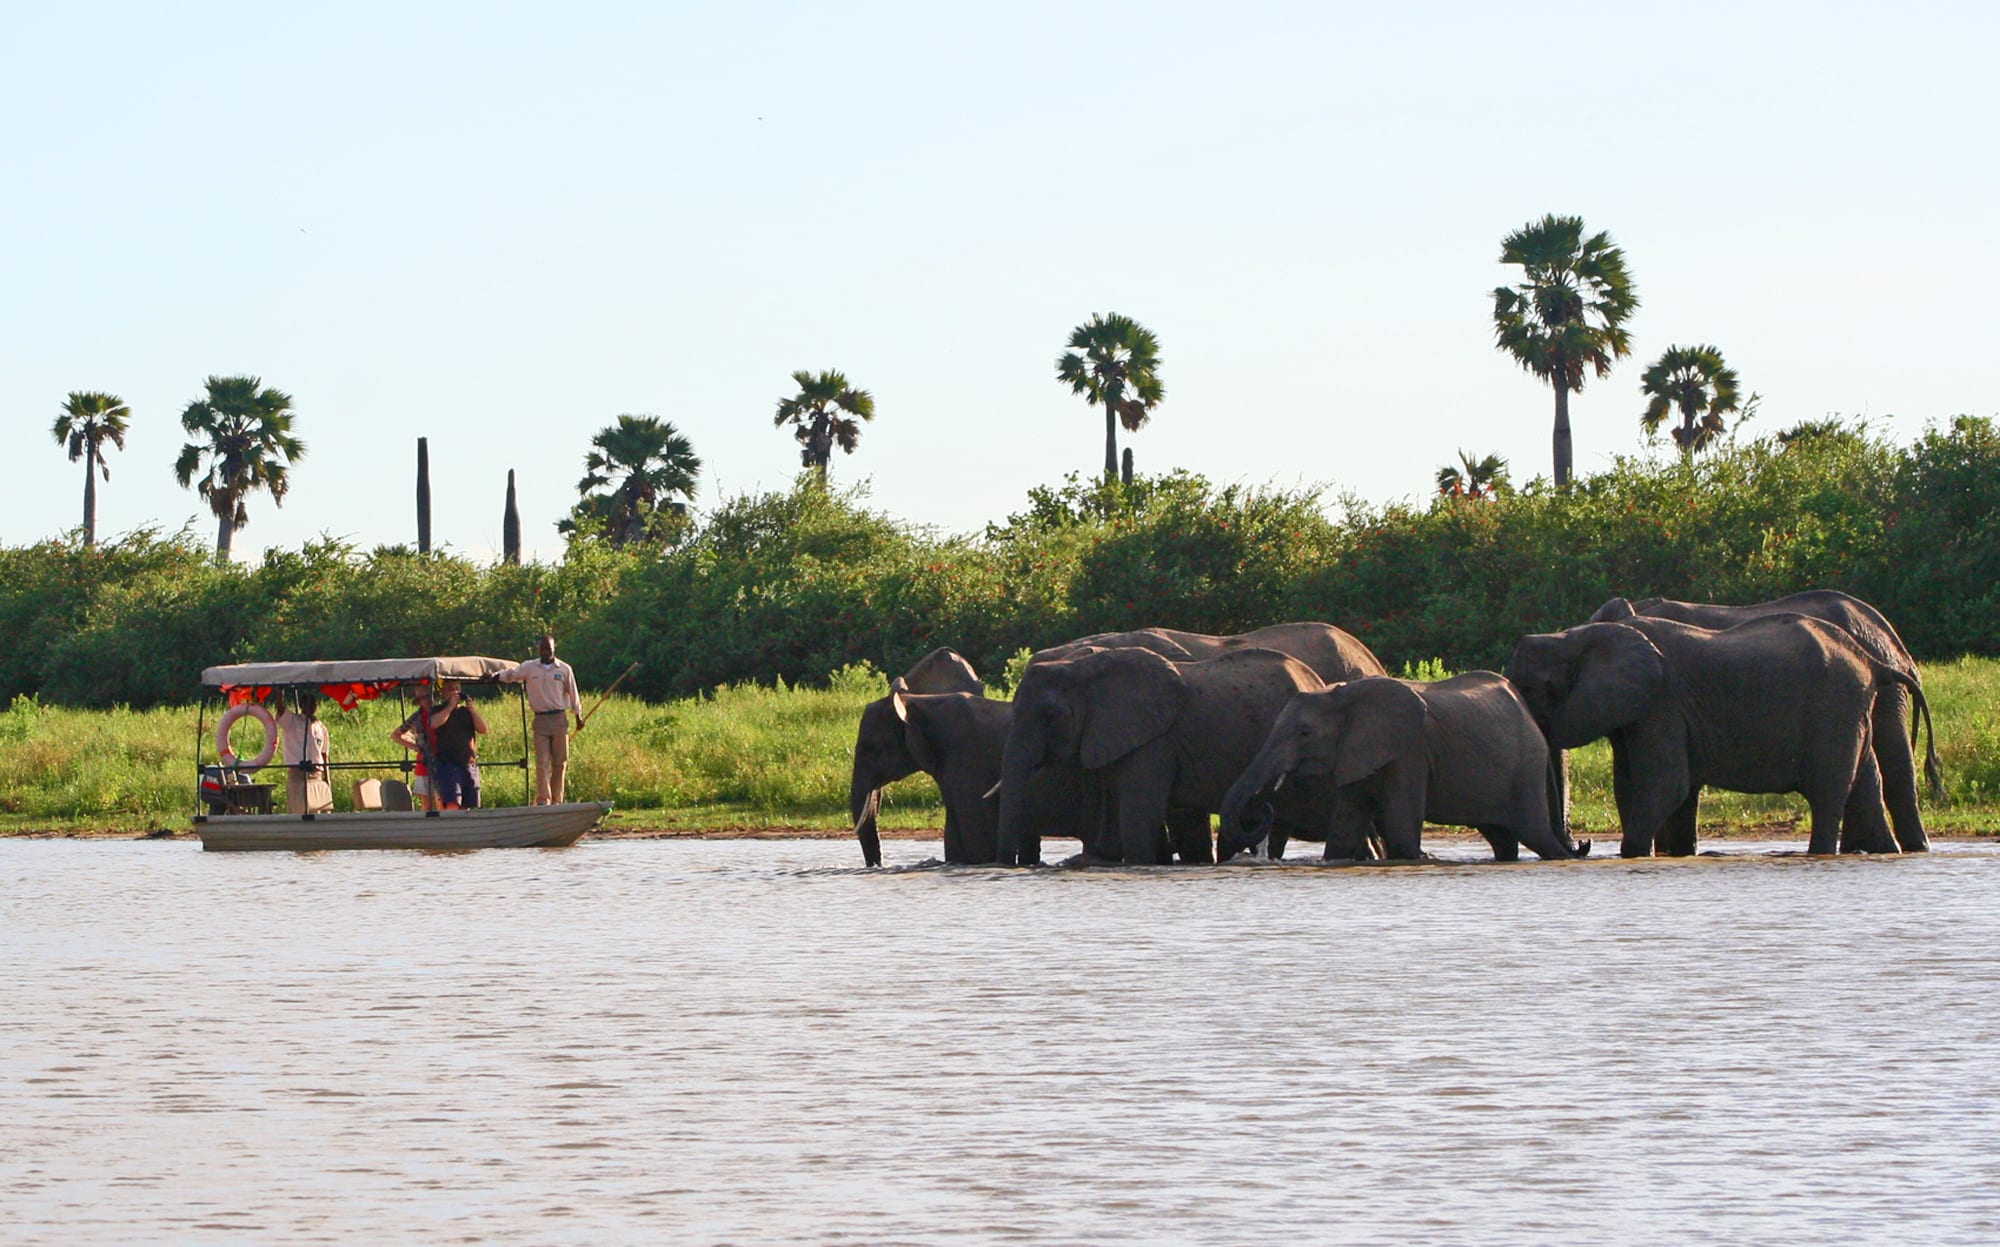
[551, 757]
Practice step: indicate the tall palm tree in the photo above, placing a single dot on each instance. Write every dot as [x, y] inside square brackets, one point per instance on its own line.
[245, 445]
[1566, 314]
[1117, 370]
[1694, 381]
[89, 420]
[645, 463]
[827, 412]
[1480, 478]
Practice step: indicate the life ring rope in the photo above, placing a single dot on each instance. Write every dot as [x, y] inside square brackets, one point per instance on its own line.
[230, 719]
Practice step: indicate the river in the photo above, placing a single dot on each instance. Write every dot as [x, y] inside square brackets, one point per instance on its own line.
[751, 1042]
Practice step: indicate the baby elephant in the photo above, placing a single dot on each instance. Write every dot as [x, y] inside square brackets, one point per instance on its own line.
[1463, 752]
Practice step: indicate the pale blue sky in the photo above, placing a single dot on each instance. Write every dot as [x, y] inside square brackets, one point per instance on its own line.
[502, 225]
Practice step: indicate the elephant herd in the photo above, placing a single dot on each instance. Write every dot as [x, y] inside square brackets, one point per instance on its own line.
[1129, 742]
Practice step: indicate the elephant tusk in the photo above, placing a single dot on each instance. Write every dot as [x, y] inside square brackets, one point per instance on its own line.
[1282, 776]
[994, 789]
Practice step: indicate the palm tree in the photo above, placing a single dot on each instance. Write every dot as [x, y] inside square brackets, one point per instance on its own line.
[827, 412]
[246, 445]
[1118, 370]
[1567, 313]
[1693, 381]
[1480, 478]
[645, 462]
[89, 420]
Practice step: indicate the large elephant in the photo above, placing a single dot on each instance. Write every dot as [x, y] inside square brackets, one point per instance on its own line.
[1462, 752]
[1780, 704]
[1163, 736]
[1332, 654]
[1892, 711]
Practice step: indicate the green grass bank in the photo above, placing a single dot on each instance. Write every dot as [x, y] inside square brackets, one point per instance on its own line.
[751, 758]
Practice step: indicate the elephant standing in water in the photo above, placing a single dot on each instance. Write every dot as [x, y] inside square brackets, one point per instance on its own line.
[1165, 736]
[1892, 710]
[1781, 704]
[1463, 752]
[938, 720]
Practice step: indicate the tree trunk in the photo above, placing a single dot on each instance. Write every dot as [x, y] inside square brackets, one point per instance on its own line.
[1125, 467]
[423, 495]
[225, 529]
[1562, 439]
[1110, 440]
[89, 494]
[510, 527]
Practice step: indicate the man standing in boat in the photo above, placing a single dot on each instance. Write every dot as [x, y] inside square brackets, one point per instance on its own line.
[552, 695]
[306, 753]
[458, 726]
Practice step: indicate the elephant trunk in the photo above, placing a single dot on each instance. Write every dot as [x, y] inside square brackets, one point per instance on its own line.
[1017, 840]
[1266, 771]
[864, 800]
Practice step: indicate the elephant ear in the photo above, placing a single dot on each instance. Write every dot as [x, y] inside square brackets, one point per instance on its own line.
[1616, 674]
[1382, 720]
[1130, 696]
[1613, 611]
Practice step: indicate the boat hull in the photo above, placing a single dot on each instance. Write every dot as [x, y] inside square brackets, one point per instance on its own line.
[502, 827]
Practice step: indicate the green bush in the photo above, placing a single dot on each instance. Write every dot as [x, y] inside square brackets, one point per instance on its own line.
[791, 587]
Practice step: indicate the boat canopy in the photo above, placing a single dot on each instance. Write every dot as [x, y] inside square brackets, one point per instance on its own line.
[371, 671]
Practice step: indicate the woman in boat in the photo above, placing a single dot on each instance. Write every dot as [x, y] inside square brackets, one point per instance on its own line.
[306, 752]
[418, 736]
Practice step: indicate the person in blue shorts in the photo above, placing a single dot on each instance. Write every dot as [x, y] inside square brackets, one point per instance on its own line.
[459, 726]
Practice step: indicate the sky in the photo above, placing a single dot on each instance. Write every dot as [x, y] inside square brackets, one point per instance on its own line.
[500, 226]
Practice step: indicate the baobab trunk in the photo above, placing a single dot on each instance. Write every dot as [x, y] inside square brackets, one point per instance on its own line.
[89, 494]
[423, 495]
[510, 527]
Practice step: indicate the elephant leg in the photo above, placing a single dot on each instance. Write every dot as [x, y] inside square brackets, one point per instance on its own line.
[1350, 827]
[1506, 847]
[1649, 770]
[1401, 810]
[1679, 837]
[1837, 771]
[1864, 823]
[1143, 782]
[1194, 840]
[1898, 765]
[954, 840]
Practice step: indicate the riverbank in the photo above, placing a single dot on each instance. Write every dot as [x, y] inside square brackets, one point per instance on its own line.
[754, 762]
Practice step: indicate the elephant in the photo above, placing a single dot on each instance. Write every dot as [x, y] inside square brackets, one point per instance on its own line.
[1779, 704]
[938, 720]
[1865, 624]
[1164, 736]
[1333, 655]
[943, 671]
[1463, 751]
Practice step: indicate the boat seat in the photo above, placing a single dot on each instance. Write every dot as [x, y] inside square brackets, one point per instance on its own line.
[395, 795]
[367, 794]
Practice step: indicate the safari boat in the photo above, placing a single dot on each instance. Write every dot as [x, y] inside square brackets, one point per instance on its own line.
[238, 805]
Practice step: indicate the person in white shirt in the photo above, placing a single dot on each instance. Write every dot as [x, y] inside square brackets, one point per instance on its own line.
[306, 753]
[552, 695]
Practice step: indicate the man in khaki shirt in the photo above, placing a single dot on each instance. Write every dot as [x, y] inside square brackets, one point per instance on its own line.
[552, 695]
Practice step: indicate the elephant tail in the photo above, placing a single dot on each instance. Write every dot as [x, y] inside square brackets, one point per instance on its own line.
[1933, 769]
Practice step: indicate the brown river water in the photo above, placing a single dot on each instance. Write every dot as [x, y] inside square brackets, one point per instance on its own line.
[750, 1042]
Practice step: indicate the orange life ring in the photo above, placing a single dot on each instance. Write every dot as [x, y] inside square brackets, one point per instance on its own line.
[229, 720]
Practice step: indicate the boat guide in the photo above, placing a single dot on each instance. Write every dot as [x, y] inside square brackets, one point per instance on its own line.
[234, 802]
